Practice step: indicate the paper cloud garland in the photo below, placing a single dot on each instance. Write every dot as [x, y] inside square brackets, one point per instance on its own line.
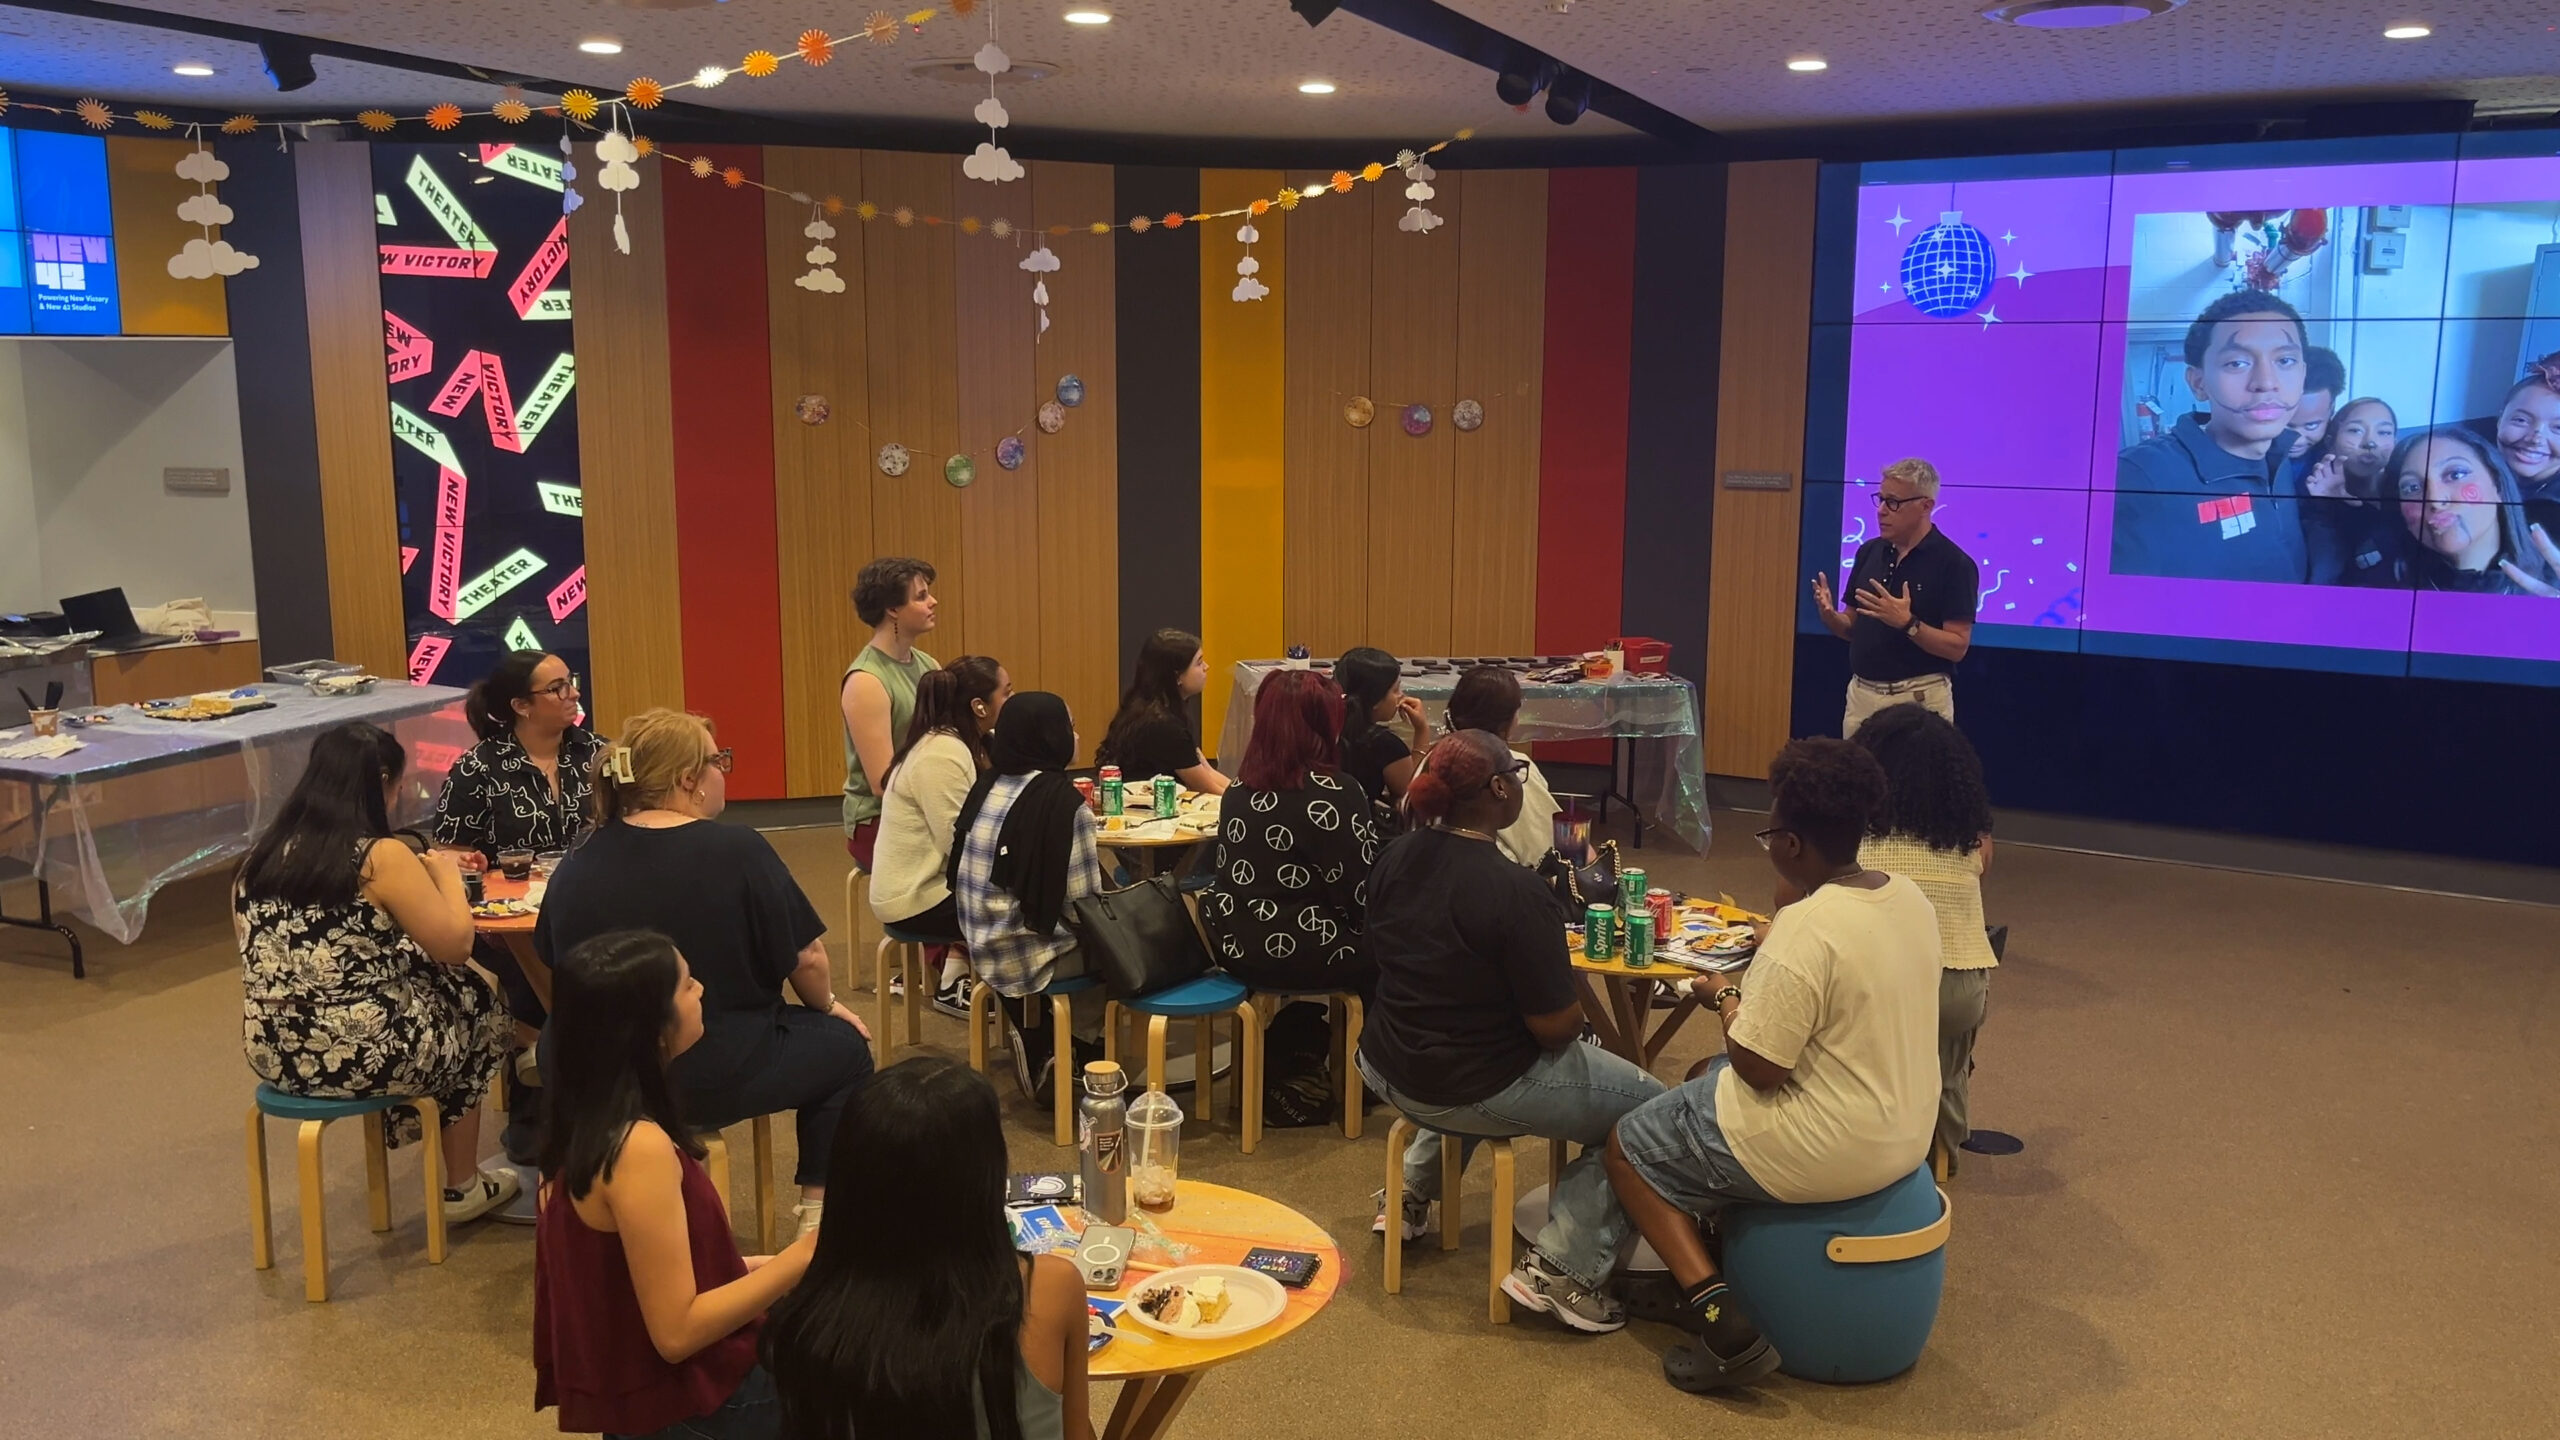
[1040, 262]
[617, 152]
[205, 256]
[1248, 287]
[822, 276]
[992, 163]
[1418, 175]
[991, 112]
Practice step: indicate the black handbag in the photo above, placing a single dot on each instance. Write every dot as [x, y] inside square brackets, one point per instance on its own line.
[1138, 940]
[1578, 887]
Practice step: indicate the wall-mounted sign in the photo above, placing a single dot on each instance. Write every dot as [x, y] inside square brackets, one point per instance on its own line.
[196, 480]
[1759, 480]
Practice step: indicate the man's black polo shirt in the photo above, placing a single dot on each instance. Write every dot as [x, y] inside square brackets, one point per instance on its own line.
[2189, 508]
[1942, 580]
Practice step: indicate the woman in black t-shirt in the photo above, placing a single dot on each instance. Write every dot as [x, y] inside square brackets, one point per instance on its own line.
[1291, 889]
[1372, 684]
[1152, 735]
[655, 861]
[1475, 1028]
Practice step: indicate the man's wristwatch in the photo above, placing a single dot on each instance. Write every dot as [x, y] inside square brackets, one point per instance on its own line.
[1912, 629]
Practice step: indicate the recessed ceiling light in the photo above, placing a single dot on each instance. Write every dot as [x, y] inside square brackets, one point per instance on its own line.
[1088, 17]
[192, 70]
[2077, 14]
[601, 47]
[1808, 65]
[1315, 87]
[2407, 32]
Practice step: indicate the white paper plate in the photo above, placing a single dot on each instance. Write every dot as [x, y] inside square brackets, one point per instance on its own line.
[1253, 1300]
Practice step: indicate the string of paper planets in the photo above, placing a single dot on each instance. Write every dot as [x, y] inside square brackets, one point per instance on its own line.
[1414, 418]
[959, 470]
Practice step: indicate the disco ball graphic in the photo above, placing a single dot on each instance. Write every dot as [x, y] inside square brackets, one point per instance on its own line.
[1947, 268]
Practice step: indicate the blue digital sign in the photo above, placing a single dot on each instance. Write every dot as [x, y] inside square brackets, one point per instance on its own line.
[57, 236]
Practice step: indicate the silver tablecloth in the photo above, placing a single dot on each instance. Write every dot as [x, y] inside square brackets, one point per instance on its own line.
[148, 802]
[1658, 714]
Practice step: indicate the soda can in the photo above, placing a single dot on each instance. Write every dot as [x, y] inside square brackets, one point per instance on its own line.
[1665, 921]
[1630, 890]
[1639, 940]
[1092, 797]
[1113, 798]
[1168, 797]
[1599, 938]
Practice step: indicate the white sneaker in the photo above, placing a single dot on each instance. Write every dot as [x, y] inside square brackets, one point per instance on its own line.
[478, 1195]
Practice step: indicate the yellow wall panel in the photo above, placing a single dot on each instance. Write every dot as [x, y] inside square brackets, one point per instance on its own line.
[351, 404]
[914, 332]
[998, 328]
[1243, 530]
[145, 191]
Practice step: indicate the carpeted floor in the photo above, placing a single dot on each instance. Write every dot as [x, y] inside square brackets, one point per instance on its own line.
[2289, 1172]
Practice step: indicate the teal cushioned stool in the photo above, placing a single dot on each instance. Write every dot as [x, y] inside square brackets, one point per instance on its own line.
[315, 1113]
[1062, 1087]
[1201, 1000]
[1847, 1292]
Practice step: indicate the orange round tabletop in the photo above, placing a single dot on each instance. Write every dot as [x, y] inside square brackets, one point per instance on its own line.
[494, 886]
[1218, 1225]
[1658, 970]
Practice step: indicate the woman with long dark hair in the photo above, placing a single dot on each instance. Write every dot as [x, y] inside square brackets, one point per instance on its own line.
[1022, 848]
[2463, 519]
[1290, 891]
[1372, 684]
[525, 786]
[644, 1313]
[941, 756]
[354, 957]
[1487, 698]
[918, 1319]
[2342, 481]
[1151, 734]
[1935, 831]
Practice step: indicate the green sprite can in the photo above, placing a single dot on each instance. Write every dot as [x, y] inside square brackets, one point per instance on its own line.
[1599, 933]
[1168, 797]
[1639, 946]
[1630, 890]
[1112, 792]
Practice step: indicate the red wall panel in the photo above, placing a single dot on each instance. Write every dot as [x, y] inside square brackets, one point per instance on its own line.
[720, 368]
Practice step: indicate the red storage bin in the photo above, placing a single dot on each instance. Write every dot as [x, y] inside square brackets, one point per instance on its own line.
[1645, 655]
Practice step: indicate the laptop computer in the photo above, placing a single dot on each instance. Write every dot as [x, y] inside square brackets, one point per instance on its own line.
[106, 612]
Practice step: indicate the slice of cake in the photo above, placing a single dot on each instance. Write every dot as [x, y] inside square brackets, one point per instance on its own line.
[1209, 1293]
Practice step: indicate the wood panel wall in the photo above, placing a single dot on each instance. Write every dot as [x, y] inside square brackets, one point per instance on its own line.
[626, 451]
[1413, 357]
[1325, 292]
[998, 330]
[1077, 539]
[822, 474]
[1760, 408]
[913, 339]
[1501, 332]
[351, 404]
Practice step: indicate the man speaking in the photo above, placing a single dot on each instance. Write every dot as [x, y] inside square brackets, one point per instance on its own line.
[1911, 597]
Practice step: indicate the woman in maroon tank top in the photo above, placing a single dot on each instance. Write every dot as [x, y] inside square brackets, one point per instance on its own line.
[645, 1316]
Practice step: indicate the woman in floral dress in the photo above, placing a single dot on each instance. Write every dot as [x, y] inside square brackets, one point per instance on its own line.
[354, 950]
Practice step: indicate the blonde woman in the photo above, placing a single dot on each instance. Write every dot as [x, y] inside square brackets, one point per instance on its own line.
[656, 861]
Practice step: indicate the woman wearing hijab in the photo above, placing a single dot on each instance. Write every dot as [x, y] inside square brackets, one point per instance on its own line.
[1022, 848]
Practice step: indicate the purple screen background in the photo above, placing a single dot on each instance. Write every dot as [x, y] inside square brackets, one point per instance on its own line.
[2017, 402]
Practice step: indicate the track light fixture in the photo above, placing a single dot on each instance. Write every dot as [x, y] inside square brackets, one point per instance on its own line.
[1519, 81]
[287, 61]
[1315, 12]
[1568, 96]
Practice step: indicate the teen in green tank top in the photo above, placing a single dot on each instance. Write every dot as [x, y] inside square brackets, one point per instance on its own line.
[894, 596]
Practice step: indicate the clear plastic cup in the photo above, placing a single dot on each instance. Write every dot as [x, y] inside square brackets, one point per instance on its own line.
[515, 864]
[1155, 1150]
[546, 862]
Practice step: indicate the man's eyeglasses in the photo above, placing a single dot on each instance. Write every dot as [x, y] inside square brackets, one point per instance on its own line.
[1892, 504]
[721, 760]
[560, 689]
[1763, 835]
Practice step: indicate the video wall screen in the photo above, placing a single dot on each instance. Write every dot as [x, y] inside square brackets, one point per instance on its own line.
[57, 236]
[2292, 404]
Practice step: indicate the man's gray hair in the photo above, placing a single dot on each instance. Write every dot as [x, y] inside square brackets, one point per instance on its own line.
[1922, 475]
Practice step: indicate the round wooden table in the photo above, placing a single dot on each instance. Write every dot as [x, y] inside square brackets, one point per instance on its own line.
[1149, 846]
[1623, 1016]
[514, 931]
[1207, 1225]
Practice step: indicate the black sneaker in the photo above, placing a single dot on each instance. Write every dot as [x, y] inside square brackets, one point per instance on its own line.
[953, 999]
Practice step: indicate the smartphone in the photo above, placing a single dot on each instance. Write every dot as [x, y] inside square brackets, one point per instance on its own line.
[1104, 1255]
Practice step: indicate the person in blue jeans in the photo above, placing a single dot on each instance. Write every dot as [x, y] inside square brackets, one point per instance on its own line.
[1474, 1031]
[1828, 1087]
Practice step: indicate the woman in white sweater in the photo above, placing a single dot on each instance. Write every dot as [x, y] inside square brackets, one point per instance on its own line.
[937, 761]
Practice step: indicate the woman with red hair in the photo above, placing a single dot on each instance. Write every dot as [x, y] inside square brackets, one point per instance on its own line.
[1291, 893]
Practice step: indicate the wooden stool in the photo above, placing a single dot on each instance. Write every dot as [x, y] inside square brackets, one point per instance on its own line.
[1062, 1085]
[1202, 1001]
[1344, 1013]
[716, 1160]
[857, 920]
[315, 1113]
[1452, 1180]
[909, 950]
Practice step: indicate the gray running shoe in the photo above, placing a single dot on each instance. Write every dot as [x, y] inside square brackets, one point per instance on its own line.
[1539, 1286]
